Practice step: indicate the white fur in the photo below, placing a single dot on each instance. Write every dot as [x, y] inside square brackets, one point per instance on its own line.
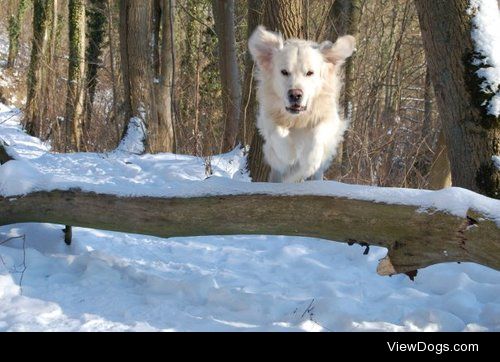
[299, 146]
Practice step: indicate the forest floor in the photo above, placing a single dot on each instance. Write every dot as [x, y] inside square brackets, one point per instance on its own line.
[108, 281]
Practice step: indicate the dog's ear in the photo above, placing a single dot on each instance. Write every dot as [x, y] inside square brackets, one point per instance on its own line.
[263, 44]
[342, 49]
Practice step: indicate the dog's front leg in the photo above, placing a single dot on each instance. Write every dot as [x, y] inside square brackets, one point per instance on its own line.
[309, 168]
[275, 176]
[279, 152]
[318, 176]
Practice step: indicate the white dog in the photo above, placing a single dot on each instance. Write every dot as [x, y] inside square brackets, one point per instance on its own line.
[298, 91]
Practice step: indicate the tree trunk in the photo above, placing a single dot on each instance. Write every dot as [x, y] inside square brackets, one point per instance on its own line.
[415, 239]
[43, 16]
[285, 16]
[15, 25]
[97, 20]
[472, 136]
[248, 106]
[440, 172]
[427, 126]
[229, 73]
[137, 62]
[76, 75]
[344, 18]
[51, 90]
[162, 136]
[112, 58]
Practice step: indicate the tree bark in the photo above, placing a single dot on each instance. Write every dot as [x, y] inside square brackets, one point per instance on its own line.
[43, 15]
[137, 63]
[163, 136]
[51, 89]
[96, 24]
[285, 16]
[415, 239]
[472, 136]
[344, 18]
[428, 97]
[116, 112]
[229, 72]
[440, 172]
[248, 106]
[15, 25]
[75, 101]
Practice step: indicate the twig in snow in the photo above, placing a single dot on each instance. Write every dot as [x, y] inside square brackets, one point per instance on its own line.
[9, 118]
[309, 311]
[23, 265]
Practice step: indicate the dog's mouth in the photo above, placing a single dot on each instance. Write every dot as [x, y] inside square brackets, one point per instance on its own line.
[296, 109]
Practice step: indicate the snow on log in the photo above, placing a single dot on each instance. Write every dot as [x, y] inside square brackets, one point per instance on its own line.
[415, 238]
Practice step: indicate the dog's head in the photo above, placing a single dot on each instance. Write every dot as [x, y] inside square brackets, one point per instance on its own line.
[297, 68]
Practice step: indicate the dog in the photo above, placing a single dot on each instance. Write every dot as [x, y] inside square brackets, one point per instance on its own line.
[298, 85]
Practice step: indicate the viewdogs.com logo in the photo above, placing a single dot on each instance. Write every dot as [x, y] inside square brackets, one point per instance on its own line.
[437, 348]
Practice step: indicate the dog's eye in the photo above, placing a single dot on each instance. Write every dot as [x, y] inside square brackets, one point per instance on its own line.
[310, 73]
[285, 73]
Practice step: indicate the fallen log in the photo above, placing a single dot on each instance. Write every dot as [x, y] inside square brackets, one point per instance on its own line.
[415, 239]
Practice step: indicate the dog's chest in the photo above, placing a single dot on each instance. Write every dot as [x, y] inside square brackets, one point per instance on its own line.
[301, 138]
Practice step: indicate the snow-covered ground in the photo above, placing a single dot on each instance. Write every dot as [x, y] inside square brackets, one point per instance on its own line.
[111, 281]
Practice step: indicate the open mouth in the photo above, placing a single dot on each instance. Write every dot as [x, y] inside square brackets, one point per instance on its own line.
[296, 109]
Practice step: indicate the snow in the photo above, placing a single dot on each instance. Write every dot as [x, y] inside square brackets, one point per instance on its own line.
[133, 142]
[120, 282]
[496, 161]
[108, 281]
[486, 37]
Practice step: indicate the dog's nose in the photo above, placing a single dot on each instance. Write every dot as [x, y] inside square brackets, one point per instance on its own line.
[295, 95]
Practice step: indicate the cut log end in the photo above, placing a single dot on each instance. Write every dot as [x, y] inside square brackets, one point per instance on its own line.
[385, 267]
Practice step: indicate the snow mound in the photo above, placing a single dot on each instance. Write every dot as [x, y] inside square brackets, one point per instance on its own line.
[133, 142]
[20, 177]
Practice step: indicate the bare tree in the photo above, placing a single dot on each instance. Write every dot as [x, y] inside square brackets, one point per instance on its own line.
[43, 16]
[163, 134]
[96, 30]
[15, 24]
[472, 135]
[137, 63]
[287, 17]
[229, 71]
[248, 106]
[352, 20]
[76, 74]
[344, 18]
[112, 68]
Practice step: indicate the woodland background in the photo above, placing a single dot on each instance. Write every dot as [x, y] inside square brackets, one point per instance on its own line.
[81, 69]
